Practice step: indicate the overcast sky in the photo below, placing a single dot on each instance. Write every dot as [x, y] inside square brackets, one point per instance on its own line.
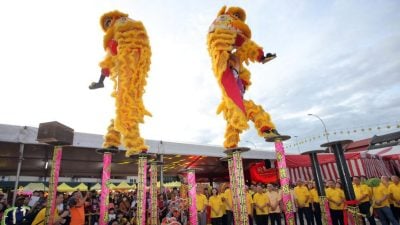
[339, 60]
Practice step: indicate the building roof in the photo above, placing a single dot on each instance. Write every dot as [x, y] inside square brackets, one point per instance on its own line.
[385, 140]
[357, 146]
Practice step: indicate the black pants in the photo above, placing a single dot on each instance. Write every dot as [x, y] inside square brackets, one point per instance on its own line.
[364, 209]
[216, 221]
[275, 218]
[261, 219]
[317, 213]
[337, 217]
[250, 220]
[224, 219]
[229, 217]
[396, 212]
[307, 213]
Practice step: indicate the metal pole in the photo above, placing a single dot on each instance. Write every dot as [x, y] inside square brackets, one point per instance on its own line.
[342, 167]
[21, 157]
[324, 205]
[351, 203]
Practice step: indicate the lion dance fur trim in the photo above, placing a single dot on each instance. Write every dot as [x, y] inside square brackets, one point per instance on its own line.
[128, 70]
[222, 46]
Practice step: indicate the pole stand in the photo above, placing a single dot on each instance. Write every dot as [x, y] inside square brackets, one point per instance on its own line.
[277, 138]
[332, 143]
[107, 150]
[238, 149]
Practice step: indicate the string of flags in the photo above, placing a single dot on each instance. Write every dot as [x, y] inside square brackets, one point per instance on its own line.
[346, 131]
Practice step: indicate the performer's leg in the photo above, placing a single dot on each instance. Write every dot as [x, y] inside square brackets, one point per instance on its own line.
[262, 120]
[113, 138]
[231, 137]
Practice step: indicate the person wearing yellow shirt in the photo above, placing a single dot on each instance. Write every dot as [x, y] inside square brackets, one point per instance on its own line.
[215, 203]
[302, 200]
[362, 196]
[336, 200]
[58, 219]
[381, 202]
[394, 192]
[249, 204]
[201, 203]
[315, 206]
[261, 204]
[227, 199]
[275, 201]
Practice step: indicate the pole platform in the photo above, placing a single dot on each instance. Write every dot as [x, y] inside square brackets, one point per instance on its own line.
[277, 138]
[342, 142]
[238, 149]
[107, 150]
[314, 151]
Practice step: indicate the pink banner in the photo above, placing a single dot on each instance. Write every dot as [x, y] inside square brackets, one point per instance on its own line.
[55, 171]
[191, 177]
[326, 213]
[105, 191]
[284, 181]
[141, 191]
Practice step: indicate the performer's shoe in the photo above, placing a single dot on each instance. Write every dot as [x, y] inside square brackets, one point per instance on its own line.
[95, 85]
[271, 133]
[268, 57]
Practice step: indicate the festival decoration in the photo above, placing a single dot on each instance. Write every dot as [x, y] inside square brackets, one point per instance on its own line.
[384, 127]
[105, 190]
[191, 178]
[260, 174]
[127, 63]
[53, 183]
[288, 205]
[141, 190]
[239, 191]
[233, 187]
[230, 45]
[153, 194]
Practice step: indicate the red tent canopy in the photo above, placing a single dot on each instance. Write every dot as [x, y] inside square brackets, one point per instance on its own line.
[357, 163]
[324, 158]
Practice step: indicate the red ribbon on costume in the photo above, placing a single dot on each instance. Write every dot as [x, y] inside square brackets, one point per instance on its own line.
[345, 214]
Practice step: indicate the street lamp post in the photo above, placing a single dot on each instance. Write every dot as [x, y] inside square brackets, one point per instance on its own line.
[325, 131]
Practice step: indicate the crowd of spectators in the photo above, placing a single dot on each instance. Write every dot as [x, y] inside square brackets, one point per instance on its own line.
[214, 205]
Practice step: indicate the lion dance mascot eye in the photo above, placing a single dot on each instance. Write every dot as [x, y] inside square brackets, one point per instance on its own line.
[230, 45]
[127, 63]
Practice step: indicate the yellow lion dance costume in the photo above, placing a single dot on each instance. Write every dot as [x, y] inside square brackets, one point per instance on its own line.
[127, 63]
[230, 45]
